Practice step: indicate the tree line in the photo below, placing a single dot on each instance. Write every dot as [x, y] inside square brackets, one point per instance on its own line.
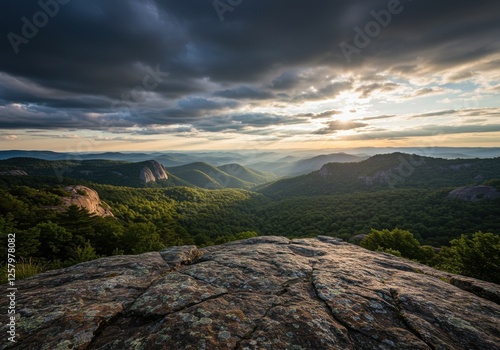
[148, 219]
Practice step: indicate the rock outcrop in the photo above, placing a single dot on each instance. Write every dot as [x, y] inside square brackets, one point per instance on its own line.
[260, 293]
[13, 172]
[474, 193]
[153, 172]
[85, 197]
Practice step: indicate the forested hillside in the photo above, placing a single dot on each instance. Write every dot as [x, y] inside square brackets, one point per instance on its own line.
[151, 218]
[397, 170]
[121, 173]
[225, 176]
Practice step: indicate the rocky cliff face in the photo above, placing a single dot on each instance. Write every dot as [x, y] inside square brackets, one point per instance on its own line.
[85, 197]
[474, 193]
[153, 172]
[260, 293]
[14, 172]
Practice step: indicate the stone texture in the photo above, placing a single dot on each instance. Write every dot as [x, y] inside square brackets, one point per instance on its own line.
[153, 172]
[474, 193]
[85, 197]
[14, 172]
[260, 293]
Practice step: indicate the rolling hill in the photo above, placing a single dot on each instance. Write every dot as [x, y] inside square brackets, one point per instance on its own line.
[109, 172]
[140, 174]
[305, 166]
[247, 174]
[396, 170]
[226, 176]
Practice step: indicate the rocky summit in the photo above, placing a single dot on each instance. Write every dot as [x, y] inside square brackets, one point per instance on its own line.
[261, 293]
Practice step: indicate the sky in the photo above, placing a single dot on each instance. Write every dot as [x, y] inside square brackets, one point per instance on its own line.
[153, 75]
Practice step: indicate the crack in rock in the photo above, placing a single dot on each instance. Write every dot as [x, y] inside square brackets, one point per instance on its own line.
[262, 293]
[400, 311]
[107, 323]
[250, 334]
[331, 313]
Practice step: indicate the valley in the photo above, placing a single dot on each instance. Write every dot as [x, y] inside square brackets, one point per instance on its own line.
[69, 211]
[435, 199]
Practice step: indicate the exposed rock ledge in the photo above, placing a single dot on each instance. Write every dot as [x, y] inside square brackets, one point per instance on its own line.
[260, 293]
[153, 172]
[14, 172]
[474, 193]
[87, 198]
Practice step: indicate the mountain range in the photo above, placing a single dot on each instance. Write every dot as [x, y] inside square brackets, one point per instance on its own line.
[279, 162]
[397, 170]
[140, 174]
[385, 171]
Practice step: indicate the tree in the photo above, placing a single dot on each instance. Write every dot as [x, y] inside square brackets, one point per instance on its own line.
[477, 257]
[141, 238]
[55, 241]
[107, 235]
[83, 253]
[397, 240]
[77, 220]
[246, 235]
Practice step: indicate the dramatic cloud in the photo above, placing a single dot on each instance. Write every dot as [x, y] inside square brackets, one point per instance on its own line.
[427, 130]
[367, 90]
[379, 117]
[336, 125]
[152, 67]
[244, 92]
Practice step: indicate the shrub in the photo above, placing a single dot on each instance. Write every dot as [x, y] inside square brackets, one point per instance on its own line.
[394, 242]
[477, 257]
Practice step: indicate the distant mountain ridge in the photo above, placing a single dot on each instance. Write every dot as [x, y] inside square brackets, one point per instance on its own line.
[397, 170]
[226, 176]
[109, 172]
[151, 172]
[279, 162]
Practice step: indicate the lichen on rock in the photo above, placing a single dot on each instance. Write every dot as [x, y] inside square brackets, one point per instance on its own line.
[260, 293]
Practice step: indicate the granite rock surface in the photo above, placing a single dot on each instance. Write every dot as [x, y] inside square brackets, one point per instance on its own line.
[260, 293]
[87, 198]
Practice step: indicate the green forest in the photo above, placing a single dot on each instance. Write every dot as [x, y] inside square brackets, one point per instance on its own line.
[152, 218]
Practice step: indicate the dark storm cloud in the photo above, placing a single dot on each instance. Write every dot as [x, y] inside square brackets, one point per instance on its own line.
[287, 80]
[245, 92]
[199, 103]
[93, 53]
[244, 121]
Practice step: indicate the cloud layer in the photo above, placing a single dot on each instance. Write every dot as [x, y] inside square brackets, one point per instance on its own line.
[151, 67]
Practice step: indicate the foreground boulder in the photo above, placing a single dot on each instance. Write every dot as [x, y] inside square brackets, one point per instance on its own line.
[260, 293]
